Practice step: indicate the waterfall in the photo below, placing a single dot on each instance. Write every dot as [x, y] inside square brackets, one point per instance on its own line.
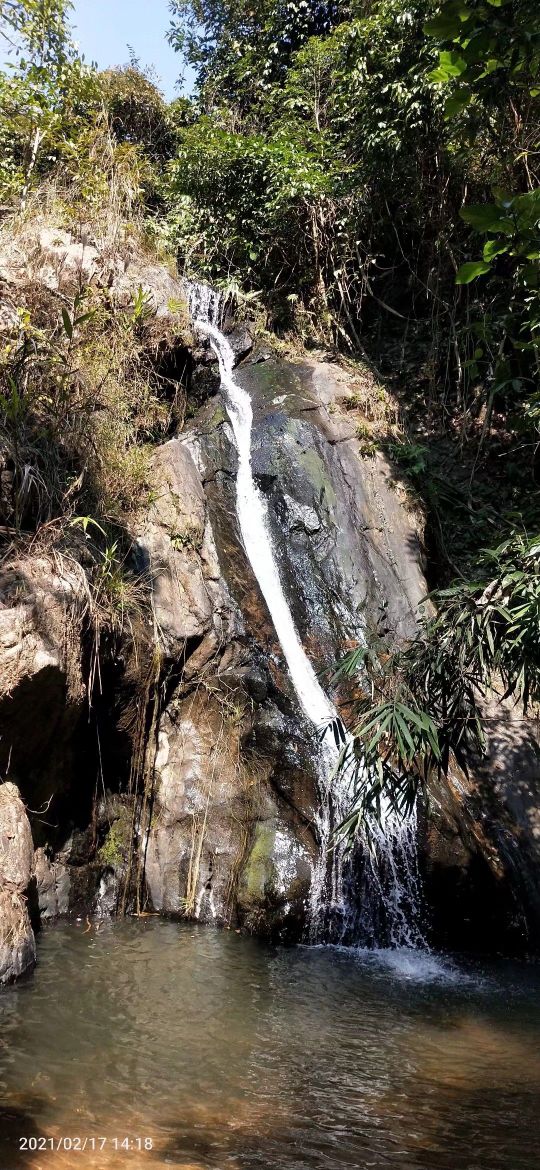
[390, 875]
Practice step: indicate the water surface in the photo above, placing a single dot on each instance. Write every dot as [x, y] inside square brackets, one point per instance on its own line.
[226, 1054]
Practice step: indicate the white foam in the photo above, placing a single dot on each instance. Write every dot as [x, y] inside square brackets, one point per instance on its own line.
[413, 965]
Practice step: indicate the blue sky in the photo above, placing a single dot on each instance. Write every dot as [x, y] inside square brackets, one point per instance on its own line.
[103, 29]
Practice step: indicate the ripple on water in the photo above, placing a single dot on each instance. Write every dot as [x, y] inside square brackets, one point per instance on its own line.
[416, 966]
[233, 1055]
[411, 964]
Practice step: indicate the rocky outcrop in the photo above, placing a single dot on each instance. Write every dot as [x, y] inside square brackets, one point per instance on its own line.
[176, 551]
[212, 787]
[17, 944]
[233, 834]
[56, 260]
[481, 841]
[53, 885]
[193, 787]
[41, 685]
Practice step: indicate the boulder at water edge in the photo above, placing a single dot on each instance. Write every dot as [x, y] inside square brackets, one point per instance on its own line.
[17, 944]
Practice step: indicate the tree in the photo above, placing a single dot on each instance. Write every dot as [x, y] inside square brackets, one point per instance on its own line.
[240, 50]
[138, 113]
[45, 91]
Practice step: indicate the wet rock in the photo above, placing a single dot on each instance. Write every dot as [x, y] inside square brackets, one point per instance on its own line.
[53, 886]
[172, 549]
[256, 683]
[17, 944]
[274, 882]
[301, 516]
[241, 341]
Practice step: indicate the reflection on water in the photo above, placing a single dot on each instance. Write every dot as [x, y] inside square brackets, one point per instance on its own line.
[229, 1055]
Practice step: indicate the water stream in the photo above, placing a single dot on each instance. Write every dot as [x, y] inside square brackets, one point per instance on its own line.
[391, 888]
[228, 1054]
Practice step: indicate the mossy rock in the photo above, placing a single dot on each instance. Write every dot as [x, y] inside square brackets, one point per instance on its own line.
[114, 850]
[318, 475]
[219, 416]
[276, 871]
[258, 878]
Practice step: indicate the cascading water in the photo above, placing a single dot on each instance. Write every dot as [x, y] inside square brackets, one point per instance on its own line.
[390, 875]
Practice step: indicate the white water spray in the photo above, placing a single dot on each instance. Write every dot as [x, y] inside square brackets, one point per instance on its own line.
[392, 839]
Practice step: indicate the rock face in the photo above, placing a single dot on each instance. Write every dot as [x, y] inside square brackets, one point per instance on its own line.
[211, 791]
[60, 261]
[193, 788]
[176, 550]
[17, 944]
[53, 886]
[233, 835]
[41, 687]
[481, 843]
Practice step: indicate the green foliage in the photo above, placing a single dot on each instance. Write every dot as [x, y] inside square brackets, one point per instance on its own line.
[309, 152]
[46, 92]
[483, 633]
[411, 456]
[241, 51]
[495, 49]
[241, 198]
[138, 113]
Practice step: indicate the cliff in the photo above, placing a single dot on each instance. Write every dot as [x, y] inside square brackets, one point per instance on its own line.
[175, 772]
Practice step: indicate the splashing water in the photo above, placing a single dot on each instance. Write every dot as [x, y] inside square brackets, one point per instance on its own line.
[390, 894]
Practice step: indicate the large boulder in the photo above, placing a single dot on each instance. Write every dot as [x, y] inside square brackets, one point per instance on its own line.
[17, 943]
[176, 551]
[41, 685]
[201, 811]
[48, 257]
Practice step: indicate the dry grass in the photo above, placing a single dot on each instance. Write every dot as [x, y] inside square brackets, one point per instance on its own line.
[81, 403]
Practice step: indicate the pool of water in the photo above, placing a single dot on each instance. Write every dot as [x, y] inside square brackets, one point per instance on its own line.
[224, 1053]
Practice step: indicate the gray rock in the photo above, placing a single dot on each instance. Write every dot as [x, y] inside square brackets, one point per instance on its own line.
[53, 886]
[16, 846]
[301, 516]
[176, 549]
[17, 944]
[241, 341]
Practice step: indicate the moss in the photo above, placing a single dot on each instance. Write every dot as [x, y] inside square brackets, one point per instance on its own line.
[114, 850]
[258, 874]
[314, 467]
[219, 416]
